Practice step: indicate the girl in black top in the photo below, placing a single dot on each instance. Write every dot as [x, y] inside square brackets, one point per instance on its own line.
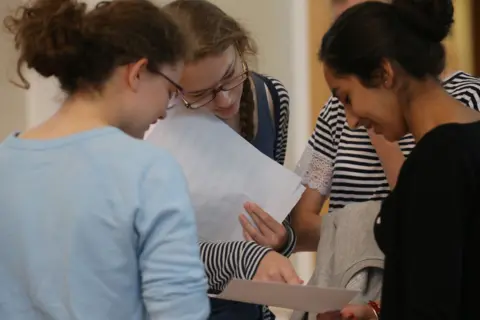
[383, 62]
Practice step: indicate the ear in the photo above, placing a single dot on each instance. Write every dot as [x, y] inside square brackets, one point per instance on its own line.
[388, 75]
[134, 72]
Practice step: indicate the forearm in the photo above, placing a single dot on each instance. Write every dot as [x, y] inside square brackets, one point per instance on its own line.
[225, 261]
[306, 220]
[392, 160]
[390, 155]
[308, 233]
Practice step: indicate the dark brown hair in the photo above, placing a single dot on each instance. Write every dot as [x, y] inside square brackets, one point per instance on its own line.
[211, 32]
[408, 33]
[82, 49]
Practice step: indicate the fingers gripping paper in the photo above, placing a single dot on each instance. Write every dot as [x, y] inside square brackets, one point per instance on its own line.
[223, 172]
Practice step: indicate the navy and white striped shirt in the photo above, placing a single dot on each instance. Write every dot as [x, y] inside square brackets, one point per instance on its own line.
[342, 163]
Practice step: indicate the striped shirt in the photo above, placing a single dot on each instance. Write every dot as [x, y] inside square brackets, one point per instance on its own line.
[225, 261]
[342, 163]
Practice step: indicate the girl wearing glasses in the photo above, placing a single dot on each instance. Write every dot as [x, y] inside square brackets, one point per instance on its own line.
[257, 107]
[85, 232]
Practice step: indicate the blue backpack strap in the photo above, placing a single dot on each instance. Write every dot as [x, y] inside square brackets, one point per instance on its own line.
[260, 82]
[260, 92]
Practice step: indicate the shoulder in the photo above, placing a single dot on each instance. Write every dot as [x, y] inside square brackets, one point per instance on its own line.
[332, 111]
[330, 120]
[135, 156]
[446, 147]
[274, 85]
[278, 93]
[452, 136]
[465, 88]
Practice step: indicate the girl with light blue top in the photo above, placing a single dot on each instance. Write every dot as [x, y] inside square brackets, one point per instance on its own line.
[96, 224]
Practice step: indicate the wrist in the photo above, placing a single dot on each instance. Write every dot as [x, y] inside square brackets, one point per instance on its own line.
[252, 256]
[290, 241]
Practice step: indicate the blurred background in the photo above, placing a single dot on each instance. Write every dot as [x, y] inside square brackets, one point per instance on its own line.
[288, 34]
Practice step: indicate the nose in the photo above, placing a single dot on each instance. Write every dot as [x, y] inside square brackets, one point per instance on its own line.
[223, 99]
[352, 120]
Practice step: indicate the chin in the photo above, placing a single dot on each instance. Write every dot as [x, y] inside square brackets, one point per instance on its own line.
[227, 113]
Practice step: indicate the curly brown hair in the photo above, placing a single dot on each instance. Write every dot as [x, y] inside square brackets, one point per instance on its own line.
[82, 48]
[211, 32]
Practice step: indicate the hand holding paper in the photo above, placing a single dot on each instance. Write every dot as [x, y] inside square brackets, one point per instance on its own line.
[224, 171]
[276, 268]
[264, 230]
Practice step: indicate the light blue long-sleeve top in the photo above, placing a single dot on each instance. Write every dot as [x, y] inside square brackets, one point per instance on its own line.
[96, 226]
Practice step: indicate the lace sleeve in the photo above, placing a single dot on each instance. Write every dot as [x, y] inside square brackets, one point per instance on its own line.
[316, 170]
[316, 164]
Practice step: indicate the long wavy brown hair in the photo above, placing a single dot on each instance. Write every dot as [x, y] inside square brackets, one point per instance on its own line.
[211, 31]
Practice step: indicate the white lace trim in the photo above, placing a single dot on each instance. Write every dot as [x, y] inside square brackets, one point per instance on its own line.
[316, 170]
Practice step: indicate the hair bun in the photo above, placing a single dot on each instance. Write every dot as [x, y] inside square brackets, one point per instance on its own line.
[48, 34]
[432, 18]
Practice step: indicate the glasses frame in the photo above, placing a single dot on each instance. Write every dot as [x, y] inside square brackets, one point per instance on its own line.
[176, 85]
[189, 105]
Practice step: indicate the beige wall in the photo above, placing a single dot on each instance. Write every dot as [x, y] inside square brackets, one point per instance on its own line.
[12, 110]
[460, 45]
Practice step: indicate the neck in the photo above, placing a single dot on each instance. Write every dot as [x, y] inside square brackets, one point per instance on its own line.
[431, 106]
[77, 114]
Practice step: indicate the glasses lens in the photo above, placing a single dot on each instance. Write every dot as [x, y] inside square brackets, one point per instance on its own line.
[235, 82]
[200, 102]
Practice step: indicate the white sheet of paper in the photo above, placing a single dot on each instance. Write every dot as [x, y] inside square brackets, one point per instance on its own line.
[224, 171]
[296, 297]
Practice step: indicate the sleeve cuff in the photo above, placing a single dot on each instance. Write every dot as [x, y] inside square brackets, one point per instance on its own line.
[287, 250]
[252, 256]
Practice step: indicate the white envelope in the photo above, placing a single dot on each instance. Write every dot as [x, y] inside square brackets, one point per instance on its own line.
[296, 297]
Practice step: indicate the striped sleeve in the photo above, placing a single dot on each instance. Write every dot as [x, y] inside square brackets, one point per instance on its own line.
[465, 88]
[316, 163]
[225, 261]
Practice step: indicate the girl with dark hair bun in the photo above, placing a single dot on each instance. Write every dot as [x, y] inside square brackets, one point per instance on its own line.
[386, 75]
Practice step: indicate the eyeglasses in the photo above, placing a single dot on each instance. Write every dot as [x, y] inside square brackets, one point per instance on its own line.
[173, 98]
[227, 85]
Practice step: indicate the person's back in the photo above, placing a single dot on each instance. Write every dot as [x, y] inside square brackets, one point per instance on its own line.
[95, 223]
[74, 217]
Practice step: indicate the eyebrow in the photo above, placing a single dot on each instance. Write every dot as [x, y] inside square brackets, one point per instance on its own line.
[227, 72]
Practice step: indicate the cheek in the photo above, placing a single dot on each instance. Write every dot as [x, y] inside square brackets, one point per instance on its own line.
[372, 106]
[154, 101]
[237, 92]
